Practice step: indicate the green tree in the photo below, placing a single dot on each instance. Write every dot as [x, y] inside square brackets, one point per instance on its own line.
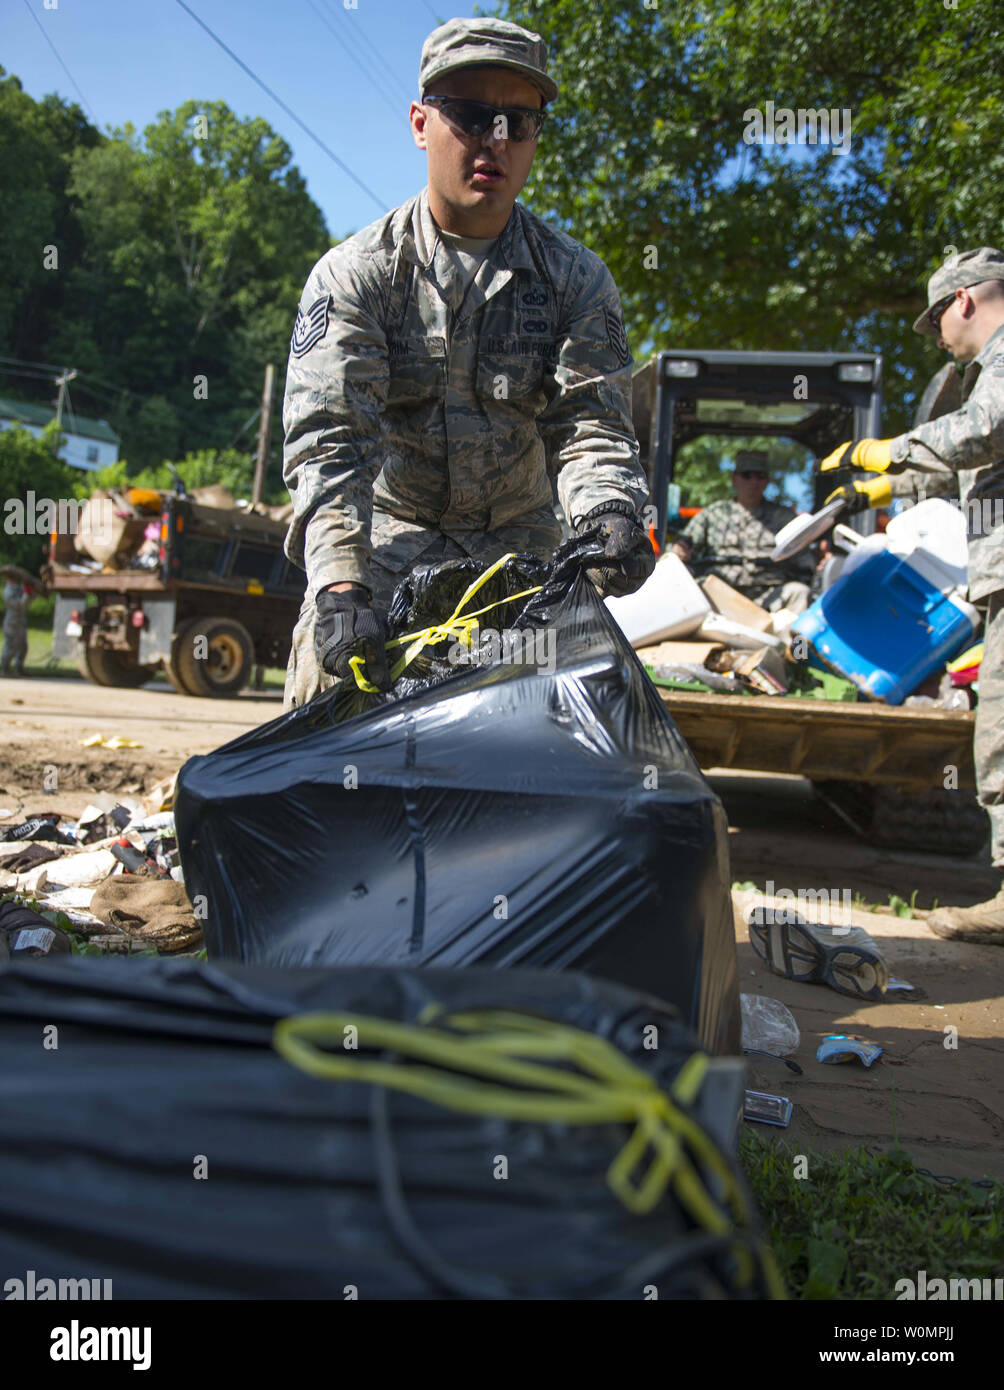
[703, 469]
[37, 141]
[182, 254]
[29, 472]
[203, 232]
[758, 246]
[230, 468]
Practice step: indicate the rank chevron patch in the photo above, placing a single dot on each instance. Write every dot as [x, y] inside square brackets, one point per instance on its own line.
[310, 326]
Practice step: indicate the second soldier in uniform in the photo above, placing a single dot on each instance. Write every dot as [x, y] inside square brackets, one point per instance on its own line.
[451, 364]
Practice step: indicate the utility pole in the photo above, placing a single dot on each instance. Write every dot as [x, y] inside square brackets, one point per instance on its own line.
[62, 382]
[264, 433]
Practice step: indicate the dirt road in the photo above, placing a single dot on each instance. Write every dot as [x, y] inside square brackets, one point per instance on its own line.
[943, 1103]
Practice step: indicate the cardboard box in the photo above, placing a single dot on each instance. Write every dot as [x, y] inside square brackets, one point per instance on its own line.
[732, 604]
[678, 653]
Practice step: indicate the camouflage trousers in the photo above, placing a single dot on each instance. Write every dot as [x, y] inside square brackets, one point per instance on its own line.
[15, 644]
[397, 552]
[793, 595]
[988, 743]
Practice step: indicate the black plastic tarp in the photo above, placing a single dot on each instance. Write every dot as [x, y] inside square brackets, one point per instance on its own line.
[160, 1141]
[543, 814]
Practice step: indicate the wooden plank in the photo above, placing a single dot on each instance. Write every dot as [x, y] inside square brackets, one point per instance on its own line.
[825, 740]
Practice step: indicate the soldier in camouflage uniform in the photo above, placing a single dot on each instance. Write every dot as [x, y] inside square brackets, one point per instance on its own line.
[15, 628]
[733, 538]
[966, 314]
[454, 365]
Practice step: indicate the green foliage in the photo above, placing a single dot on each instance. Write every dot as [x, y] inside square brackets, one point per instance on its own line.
[29, 464]
[704, 468]
[858, 1222]
[758, 246]
[182, 255]
[228, 467]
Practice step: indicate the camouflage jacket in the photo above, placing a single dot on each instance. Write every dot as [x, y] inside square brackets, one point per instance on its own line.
[729, 530]
[460, 412]
[968, 443]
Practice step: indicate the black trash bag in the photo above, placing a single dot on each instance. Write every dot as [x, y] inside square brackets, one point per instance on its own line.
[432, 593]
[166, 1071]
[536, 812]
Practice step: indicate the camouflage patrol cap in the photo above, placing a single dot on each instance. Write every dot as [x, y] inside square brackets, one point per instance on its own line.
[485, 42]
[961, 272]
[752, 458]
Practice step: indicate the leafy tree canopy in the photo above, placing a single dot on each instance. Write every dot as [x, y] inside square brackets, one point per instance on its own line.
[181, 257]
[766, 246]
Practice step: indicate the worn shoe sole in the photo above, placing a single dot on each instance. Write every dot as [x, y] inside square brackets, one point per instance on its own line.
[801, 951]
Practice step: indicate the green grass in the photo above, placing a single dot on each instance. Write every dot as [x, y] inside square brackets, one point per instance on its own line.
[858, 1221]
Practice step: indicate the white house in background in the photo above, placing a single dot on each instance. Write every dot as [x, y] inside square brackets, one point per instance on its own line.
[89, 443]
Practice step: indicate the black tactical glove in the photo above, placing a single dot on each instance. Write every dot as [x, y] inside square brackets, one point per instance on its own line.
[347, 626]
[625, 545]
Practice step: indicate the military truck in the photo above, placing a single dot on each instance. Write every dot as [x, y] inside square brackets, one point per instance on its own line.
[898, 776]
[219, 574]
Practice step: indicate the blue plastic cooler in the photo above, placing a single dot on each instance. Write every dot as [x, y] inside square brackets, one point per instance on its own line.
[886, 627]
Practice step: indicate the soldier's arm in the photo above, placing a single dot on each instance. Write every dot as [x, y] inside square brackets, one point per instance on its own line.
[917, 487]
[336, 389]
[586, 426]
[972, 437]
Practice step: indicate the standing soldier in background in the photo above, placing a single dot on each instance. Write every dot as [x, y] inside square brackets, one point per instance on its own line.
[452, 364]
[16, 597]
[733, 538]
[966, 314]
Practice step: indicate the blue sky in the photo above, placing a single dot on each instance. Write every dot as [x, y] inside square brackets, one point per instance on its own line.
[132, 59]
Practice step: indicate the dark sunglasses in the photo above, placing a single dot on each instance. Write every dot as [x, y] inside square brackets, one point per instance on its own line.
[750, 473]
[475, 117]
[936, 311]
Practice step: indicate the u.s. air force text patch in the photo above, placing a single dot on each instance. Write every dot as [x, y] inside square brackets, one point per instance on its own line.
[617, 336]
[310, 326]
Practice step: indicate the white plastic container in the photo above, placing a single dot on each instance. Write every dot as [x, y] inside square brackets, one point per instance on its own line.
[669, 604]
[932, 537]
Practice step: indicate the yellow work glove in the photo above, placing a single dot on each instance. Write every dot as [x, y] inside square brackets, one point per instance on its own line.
[863, 494]
[870, 454]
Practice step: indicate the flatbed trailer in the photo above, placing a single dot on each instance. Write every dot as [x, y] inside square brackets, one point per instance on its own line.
[222, 599]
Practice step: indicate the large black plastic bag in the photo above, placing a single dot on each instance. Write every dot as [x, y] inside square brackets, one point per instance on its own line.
[506, 816]
[312, 1188]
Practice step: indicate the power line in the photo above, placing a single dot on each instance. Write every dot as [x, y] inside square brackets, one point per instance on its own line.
[432, 12]
[382, 204]
[60, 61]
[353, 30]
[48, 367]
[24, 371]
[370, 78]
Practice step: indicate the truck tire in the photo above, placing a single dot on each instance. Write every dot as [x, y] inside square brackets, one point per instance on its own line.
[943, 822]
[102, 666]
[226, 668]
[171, 667]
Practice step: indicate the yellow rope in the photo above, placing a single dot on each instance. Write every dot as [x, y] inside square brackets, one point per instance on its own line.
[494, 1071]
[461, 629]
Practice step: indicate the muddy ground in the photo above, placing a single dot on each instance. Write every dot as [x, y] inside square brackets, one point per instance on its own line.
[944, 1104]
